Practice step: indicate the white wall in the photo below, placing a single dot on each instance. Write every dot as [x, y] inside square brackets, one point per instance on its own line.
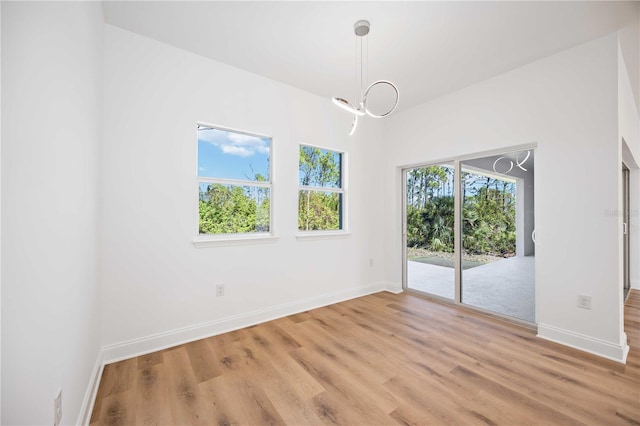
[567, 104]
[154, 279]
[51, 98]
[629, 39]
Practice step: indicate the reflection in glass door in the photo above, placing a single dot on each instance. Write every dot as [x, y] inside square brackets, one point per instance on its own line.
[429, 230]
[498, 234]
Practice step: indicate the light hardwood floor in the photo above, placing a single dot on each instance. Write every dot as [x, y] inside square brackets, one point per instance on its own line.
[379, 359]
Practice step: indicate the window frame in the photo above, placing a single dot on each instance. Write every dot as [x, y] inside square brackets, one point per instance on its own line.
[343, 191]
[209, 240]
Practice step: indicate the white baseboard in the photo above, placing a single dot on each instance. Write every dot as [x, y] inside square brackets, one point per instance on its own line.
[159, 341]
[395, 288]
[635, 284]
[92, 391]
[584, 343]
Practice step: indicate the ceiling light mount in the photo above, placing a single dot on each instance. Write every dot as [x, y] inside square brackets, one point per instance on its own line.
[361, 29]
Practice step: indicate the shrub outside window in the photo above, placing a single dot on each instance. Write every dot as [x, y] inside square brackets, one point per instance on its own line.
[320, 190]
[234, 182]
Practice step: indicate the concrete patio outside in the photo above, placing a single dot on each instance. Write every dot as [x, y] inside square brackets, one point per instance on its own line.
[506, 286]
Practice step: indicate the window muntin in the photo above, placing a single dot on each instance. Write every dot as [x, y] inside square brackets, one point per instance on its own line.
[234, 182]
[320, 190]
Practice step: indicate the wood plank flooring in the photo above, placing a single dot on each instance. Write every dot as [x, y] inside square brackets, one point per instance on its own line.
[380, 359]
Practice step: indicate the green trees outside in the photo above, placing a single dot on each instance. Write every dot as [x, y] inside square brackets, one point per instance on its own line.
[319, 209]
[319, 167]
[489, 212]
[489, 216]
[430, 217]
[227, 209]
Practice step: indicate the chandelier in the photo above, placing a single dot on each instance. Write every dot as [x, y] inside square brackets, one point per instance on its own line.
[361, 29]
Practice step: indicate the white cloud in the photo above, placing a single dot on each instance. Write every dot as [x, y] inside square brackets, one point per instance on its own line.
[236, 150]
[235, 143]
[251, 143]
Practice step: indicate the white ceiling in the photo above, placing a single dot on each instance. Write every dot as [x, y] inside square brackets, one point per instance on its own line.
[426, 48]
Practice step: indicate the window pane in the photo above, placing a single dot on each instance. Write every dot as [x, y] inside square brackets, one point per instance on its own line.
[319, 211]
[229, 155]
[229, 209]
[319, 167]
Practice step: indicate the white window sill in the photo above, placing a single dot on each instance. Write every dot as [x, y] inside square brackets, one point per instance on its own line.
[322, 235]
[202, 241]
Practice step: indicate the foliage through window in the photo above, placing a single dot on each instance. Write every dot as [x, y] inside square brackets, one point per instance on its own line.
[234, 182]
[320, 191]
[430, 216]
[489, 212]
[489, 215]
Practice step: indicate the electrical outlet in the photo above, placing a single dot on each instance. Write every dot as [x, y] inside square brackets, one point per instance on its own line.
[371, 261]
[57, 408]
[220, 290]
[584, 302]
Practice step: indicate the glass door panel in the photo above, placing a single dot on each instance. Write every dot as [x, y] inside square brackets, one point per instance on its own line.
[498, 249]
[429, 221]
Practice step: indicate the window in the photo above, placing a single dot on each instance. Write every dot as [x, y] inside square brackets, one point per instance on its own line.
[321, 190]
[234, 181]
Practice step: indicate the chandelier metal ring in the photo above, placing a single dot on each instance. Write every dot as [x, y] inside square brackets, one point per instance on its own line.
[366, 94]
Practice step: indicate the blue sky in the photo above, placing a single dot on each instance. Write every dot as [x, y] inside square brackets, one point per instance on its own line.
[228, 155]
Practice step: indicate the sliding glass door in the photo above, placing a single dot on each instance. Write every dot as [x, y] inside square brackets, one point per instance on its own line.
[430, 234]
[484, 259]
[497, 229]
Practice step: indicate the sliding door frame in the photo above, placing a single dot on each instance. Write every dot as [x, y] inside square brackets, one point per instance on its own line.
[626, 237]
[457, 232]
[456, 237]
